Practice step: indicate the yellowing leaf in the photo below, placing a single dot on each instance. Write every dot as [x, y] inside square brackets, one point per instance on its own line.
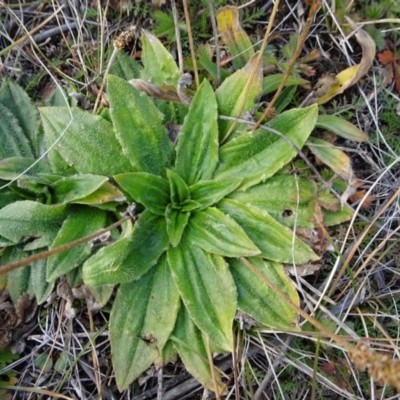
[331, 156]
[326, 89]
[234, 36]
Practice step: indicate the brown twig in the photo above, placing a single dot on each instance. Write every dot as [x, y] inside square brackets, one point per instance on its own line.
[255, 68]
[191, 44]
[302, 38]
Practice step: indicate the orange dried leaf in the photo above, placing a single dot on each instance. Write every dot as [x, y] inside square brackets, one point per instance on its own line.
[385, 57]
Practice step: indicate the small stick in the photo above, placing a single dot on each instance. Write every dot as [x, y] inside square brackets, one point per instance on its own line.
[191, 44]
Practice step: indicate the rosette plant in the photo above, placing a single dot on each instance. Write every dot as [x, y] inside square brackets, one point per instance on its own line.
[208, 205]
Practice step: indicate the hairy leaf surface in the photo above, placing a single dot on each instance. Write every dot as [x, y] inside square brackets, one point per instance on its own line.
[257, 156]
[138, 127]
[256, 299]
[218, 233]
[150, 190]
[197, 149]
[142, 318]
[275, 241]
[88, 142]
[201, 277]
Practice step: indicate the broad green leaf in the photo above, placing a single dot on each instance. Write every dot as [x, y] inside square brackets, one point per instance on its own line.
[142, 319]
[258, 155]
[256, 299]
[131, 256]
[88, 141]
[179, 189]
[190, 345]
[176, 223]
[234, 96]
[159, 66]
[125, 67]
[201, 277]
[292, 201]
[150, 190]
[15, 99]
[11, 168]
[23, 219]
[218, 233]
[234, 36]
[341, 127]
[333, 157]
[138, 127]
[272, 82]
[73, 188]
[14, 143]
[208, 193]
[40, 287]
[81, 221]
[288, 199]
[197, 149]
[275, 241]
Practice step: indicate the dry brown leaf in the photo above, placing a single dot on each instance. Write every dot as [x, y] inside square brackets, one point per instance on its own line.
[329, 87]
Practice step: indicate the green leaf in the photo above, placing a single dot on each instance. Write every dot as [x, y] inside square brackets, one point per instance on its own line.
[341, 127]
[201, 278]
[256, 299]
[29, 218]
[190, 345]
[205, 54]
[159, 66]
[292, 201]
[15, 99]
[176, 223]
[139, 129]
[234, 97]
[88, 142]
[73, 188]
[150, 190]
[101, 294]
[11, 168]
[131, 256]
[125, 67]
[14, 143]
[275, 241]
[197, 149]
[138, 337]
[190, 205]
[208, 193]
[40, 287]
[272, 82]
[17, 279]
[218, 233]
[82, 221]
[258, 155]
[179, 190]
